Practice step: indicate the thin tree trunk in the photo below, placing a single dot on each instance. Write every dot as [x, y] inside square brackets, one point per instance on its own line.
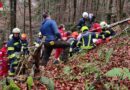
[74, 15]
[13, 5]
[30, 21]
[24, 15]
[15, 11]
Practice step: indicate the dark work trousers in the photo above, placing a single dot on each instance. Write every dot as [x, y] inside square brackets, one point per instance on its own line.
[57, 44]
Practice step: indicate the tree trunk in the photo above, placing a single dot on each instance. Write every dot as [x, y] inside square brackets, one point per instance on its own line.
[74, 15]
[24, 15]
[30, 21]
[13, 5]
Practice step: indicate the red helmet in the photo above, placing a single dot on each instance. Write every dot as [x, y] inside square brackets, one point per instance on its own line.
[129, 22]
[75, 34]
[96, 27]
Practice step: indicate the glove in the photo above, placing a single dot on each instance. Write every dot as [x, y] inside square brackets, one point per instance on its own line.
[95, 40]
[70, 50]
[37, 45]
[108, 26]
[52, 42]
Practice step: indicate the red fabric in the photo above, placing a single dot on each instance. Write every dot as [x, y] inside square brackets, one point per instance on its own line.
[62, 32]
[58, 52]
[4, 50]
[1, 5]
[96, 26]
[107, 39]
[100, 41]
[3, 63]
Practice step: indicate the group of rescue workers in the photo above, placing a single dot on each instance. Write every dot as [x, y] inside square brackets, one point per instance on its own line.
[65, 43]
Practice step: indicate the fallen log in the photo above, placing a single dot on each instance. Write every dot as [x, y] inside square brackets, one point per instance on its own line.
[113, 24]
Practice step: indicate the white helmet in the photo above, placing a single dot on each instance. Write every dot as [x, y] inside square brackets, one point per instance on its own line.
[85, 14]
[90, 15]
[39, 34]
[16, 30]
[103, 24]
[10, 36]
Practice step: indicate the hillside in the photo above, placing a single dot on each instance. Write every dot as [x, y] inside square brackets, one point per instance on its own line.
[87, 70]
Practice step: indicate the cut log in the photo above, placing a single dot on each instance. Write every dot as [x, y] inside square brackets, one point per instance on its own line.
[119, 22]
[114, 24]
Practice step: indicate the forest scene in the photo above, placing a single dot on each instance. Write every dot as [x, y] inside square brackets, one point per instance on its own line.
[64, 44]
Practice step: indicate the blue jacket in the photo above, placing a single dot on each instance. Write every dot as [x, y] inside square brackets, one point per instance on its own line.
[84, 22]
[14, 45]
[24, 47]
[50, 30]
[38, 40]
[87, 38]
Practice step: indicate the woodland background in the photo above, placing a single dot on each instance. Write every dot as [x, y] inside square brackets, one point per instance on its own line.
[27, 14]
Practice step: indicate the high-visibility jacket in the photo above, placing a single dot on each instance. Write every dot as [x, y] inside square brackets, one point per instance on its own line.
[13, 46]
[86, 39]
[108, 33]
[24, 48]
[13, 50]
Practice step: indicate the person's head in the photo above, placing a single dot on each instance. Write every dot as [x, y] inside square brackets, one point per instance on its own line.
[46, 15]
[23, 36]
[68, 34]
[103, 24]
[84, 29]
[40, 35]
[128, 22]
[96, 28]
[85, 15]
[61, 26]
[75, 34]
[91, 17]
[5, 44]
[16, 32]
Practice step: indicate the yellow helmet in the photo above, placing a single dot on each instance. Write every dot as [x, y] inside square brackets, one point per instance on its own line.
[84, 28]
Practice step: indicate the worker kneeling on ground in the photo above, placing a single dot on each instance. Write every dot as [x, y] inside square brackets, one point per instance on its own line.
[86, 38]
[107, 31]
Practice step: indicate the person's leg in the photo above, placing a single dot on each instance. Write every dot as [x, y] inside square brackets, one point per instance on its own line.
[57, 52]
[65, 51]
[13, 64]
[46, 55]
[65, 54]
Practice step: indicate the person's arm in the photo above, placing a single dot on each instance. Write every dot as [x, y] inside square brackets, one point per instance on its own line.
[55, 28]
[98, 36]
[79, 25]
[10, 50]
